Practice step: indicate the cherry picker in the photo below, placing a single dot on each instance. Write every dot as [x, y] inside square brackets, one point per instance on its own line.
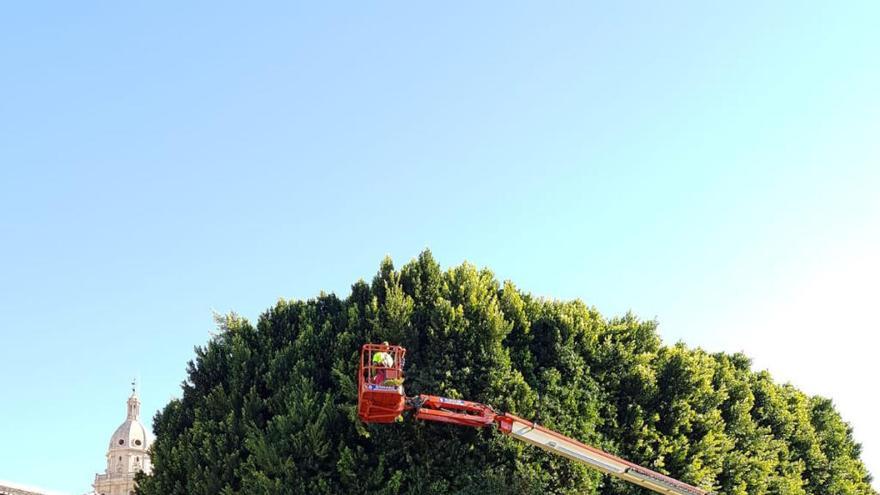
[381, 399]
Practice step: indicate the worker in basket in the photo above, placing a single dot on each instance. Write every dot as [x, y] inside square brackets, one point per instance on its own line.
[382, 361]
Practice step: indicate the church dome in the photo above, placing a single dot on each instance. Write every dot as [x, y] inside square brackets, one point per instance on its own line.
[131, 434]
[127, 455]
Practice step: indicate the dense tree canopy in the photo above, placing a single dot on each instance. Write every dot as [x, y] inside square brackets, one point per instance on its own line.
[271, 409]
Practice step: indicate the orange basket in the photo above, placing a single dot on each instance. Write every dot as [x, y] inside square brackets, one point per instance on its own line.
[380, 387]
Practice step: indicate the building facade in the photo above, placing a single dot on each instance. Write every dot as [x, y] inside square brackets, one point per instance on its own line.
[10, 488]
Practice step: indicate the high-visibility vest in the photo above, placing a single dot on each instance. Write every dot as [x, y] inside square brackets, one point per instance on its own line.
[382, 358]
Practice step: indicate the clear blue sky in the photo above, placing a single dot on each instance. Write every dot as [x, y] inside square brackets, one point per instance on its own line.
[715, 166]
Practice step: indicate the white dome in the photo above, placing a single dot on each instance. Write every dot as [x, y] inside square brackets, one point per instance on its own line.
[130, 435]
[127, 455]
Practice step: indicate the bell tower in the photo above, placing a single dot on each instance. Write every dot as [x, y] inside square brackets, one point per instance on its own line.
[127, 453]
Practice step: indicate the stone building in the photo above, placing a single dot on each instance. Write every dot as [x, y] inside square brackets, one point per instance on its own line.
[127, 454]
[10, 488]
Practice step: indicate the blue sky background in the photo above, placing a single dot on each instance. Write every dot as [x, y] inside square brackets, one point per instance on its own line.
[713, 166]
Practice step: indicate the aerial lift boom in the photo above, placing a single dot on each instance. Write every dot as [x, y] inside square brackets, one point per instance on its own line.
[381, 400]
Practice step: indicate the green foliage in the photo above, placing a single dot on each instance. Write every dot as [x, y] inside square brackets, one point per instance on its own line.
[271, 408]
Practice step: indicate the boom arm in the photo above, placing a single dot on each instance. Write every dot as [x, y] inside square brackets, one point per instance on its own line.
[466, 413]
[381, 399]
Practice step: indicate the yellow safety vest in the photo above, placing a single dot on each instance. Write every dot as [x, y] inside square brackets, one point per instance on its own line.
[380, 357]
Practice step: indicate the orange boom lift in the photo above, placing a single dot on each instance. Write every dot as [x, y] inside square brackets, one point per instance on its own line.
[381, 399]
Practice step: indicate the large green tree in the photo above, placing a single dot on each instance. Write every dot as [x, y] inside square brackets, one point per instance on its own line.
[271, 408]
